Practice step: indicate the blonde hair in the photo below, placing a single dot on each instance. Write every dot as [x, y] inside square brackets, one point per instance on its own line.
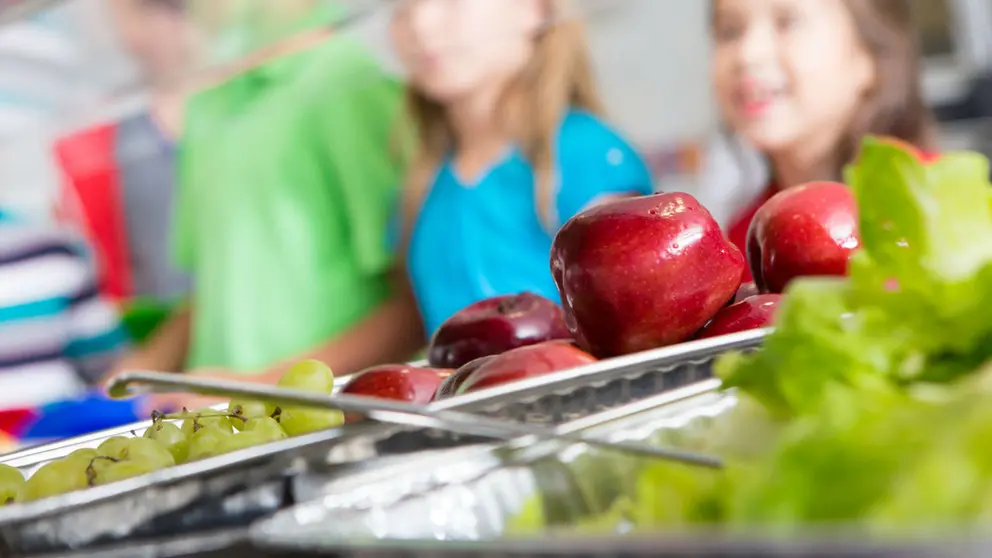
[558, 76]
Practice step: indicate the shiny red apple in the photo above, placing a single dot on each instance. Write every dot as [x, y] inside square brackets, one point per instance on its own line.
[755, 312]
[398, 382]
[495, 325]
[641, 273]
[807, 230]
[526, 362]
[449, 387]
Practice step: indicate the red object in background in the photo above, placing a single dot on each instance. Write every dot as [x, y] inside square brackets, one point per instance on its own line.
[91, 200]
[15, 421]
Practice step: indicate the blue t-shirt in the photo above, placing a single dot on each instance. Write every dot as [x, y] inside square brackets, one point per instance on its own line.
[477, 240]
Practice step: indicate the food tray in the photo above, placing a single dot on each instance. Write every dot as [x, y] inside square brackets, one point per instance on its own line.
[562, 397]
[460, 504]
[657, 546]
[470, 493]
[234, 545]
[235, 488]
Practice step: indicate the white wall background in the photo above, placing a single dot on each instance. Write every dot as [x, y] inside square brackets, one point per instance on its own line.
[651, 56]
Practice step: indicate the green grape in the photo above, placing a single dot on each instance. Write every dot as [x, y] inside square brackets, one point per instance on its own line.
[85, 455]
[209, 441]
[11, 481]
[243, 440]
[97, 465]
[266, 428]
[126, 469]
[206, 417]
[112, 447]
[171, 437]
[152, 451]
[301, 420]
[53, 479]
[141, 448]
[310, 375]
[244, 410]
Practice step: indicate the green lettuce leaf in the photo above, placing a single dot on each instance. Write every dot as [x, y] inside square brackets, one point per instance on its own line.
[915, 305]
[928, 227]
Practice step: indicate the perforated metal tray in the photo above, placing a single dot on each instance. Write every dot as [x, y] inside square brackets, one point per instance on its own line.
[235, 488]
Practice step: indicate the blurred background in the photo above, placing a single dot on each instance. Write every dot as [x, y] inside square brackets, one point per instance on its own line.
[62, 67]
[76, 73]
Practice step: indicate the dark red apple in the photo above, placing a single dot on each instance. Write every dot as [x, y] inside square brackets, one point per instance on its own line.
[751, 313]
[399, 382]
[641, 273]
[807, 230]
[492, 326]
[526, 362]
[449, 387]
[747, 290]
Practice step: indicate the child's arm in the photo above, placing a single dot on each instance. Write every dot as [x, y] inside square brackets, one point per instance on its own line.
[164, 351]
[393, 332]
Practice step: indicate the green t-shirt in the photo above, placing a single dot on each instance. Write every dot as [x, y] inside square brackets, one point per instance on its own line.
[288, 177]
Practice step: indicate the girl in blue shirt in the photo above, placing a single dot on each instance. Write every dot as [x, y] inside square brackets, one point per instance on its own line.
[511, 144]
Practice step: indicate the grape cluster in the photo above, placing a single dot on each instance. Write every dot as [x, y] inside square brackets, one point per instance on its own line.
[179, 438]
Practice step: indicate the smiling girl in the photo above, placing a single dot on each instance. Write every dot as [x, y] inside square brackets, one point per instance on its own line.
[802, 81]
[511, 144]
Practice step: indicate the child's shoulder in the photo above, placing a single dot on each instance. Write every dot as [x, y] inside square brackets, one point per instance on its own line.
[585, 132]
[346, 63]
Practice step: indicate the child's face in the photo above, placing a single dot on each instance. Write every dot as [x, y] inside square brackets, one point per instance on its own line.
[157, 36]
[788, 71]
[456, 48]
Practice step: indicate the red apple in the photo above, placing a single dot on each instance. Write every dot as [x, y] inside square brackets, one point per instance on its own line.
[526, 362]
[492, 326]
[806, 230]
[755, 312]
[399, 382]
[747, 290]
[449, 387]
[641, 273]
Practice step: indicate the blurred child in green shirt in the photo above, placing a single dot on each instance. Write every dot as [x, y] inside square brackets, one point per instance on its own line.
[288, 173]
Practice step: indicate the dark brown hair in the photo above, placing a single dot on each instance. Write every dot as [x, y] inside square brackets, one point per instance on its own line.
[895, 105]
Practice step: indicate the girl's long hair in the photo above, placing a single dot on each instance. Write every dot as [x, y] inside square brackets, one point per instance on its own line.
[558, 76]
[895, 106]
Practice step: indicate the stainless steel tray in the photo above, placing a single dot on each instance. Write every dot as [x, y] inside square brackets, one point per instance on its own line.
[710, 545]
[238, 487]
[30, 458]
[471, 494]
[560, 398]
[461, 504]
